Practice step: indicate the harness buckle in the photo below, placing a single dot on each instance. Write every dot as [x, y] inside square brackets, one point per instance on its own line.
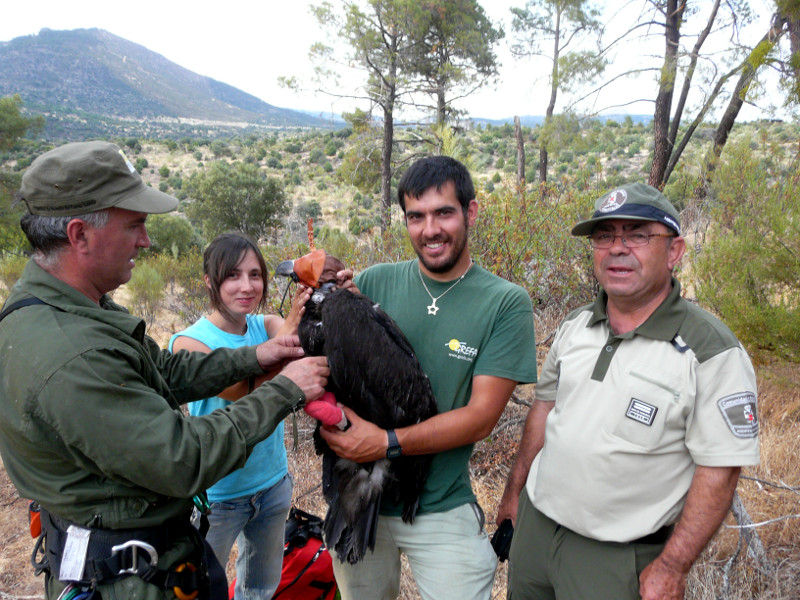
[135, 545]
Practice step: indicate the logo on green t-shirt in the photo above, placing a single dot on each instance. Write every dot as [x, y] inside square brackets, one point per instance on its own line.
[461, 350]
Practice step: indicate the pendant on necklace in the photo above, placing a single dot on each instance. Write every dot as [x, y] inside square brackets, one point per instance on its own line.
[432, 308]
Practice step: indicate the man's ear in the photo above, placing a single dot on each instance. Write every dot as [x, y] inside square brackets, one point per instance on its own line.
[675, 252]
[77, 233]
[472, 212]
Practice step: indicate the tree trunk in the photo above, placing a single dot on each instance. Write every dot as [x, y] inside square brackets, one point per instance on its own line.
[666, 88]
[520, 157]
[552, 105]
[441, 106]
[687, 80]
[387, 100]
[750, 66]
[386, 170]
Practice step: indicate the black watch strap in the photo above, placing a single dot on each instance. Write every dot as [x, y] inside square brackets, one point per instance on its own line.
[394, 450]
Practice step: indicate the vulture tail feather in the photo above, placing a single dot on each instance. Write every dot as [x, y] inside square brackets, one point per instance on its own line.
[351, 522]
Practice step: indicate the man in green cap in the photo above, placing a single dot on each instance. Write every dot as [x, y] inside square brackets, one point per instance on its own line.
[644, 413]
[90, 421]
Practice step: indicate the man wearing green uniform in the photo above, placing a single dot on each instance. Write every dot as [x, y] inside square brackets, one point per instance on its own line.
[473, 335]
[90, 419]
[643, 416]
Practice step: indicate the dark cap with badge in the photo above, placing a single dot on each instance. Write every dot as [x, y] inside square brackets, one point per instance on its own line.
[635, 202]
[85, 177]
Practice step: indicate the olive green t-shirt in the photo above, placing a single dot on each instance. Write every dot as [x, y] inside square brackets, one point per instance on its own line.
[484, 326]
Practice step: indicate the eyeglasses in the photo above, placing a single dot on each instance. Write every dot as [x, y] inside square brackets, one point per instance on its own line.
[634, 239]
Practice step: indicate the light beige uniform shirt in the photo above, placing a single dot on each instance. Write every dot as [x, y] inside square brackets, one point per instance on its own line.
[635, 413]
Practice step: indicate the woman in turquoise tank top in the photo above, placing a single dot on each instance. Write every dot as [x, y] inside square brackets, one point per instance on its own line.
[250, 505]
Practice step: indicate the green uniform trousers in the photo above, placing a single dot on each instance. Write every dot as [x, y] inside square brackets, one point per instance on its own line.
[550, 562]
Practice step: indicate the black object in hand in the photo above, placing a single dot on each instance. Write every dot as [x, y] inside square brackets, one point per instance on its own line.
[501, 539]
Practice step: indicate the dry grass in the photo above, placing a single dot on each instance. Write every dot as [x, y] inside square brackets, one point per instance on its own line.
[764, 492]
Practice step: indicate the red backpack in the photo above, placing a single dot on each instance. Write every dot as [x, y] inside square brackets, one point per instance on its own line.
[307, 566]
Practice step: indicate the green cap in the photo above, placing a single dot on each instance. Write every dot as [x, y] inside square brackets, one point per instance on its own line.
[635, 202]
[85, 177]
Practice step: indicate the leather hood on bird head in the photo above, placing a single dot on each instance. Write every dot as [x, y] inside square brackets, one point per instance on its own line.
[312, 269]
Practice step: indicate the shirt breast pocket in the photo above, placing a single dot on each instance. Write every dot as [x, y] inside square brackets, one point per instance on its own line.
[650, 415]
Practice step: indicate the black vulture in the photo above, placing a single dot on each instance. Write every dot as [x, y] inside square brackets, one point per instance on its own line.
[373, 371]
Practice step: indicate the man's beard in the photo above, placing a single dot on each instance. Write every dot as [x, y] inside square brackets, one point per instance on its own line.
[460, 245]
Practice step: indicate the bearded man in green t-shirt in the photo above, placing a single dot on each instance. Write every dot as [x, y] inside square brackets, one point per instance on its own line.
[473, 335]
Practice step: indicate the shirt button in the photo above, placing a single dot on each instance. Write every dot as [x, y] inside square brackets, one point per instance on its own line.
[609, 348]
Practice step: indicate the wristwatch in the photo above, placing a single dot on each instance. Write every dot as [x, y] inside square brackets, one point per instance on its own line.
[394, 450]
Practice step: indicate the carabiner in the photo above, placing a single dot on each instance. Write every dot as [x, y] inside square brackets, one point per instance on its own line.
[135, 545]
[177, 590]
[202, 503]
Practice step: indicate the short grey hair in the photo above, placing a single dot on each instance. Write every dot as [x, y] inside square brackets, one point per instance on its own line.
[48, 235]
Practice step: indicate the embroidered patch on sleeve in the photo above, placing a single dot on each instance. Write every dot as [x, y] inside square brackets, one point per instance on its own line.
[641, 412]
[740, 414]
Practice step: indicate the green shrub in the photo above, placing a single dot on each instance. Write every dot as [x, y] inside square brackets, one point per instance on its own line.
[525, 240]
[11, 267]
[171, 234]
[184, 280]
[147, 289]
[748, 271]
[316, 156]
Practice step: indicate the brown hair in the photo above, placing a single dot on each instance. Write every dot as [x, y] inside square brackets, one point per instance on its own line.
[221, 257]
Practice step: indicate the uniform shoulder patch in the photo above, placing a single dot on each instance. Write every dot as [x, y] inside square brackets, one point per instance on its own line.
[740, 413]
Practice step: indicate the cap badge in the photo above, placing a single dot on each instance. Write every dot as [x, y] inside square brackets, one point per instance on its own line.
[615, 199]
[130, 166]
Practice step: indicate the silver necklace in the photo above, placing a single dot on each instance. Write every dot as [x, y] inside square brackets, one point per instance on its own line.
[432, 308]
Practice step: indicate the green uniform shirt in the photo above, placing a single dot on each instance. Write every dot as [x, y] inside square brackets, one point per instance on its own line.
[635, 413]
[90, 424]
[484, 327]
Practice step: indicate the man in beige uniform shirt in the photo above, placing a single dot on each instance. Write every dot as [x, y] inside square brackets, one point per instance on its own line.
[644, 414]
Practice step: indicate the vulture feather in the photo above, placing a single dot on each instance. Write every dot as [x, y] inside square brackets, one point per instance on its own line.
[373, 371]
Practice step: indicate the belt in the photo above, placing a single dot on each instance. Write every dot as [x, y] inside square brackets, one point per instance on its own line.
[113, 554]
[657, 537]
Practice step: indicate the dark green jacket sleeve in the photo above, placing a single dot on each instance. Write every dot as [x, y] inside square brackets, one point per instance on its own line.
[113, 437]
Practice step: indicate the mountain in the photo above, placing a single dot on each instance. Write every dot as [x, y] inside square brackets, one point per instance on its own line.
[91, 82]
[534, 120]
